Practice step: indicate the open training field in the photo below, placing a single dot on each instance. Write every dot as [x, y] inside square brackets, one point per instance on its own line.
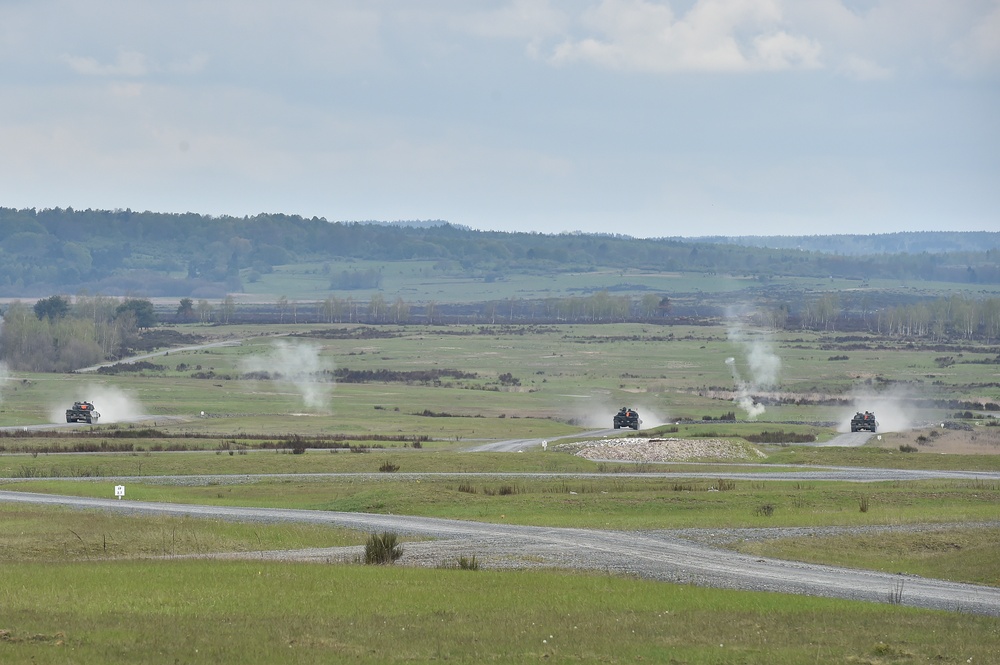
[462, 383]
[383, 402]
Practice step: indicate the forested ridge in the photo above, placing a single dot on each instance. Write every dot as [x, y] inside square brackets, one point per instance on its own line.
[116, 252]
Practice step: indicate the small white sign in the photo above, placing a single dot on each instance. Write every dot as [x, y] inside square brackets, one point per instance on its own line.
[119, 491]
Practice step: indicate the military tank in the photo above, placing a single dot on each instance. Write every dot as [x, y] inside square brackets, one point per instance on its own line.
[82, 412]
[864, 422]
[627, 417]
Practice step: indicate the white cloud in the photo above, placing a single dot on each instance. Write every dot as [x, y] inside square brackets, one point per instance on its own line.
[509, 113]
[714, 35]
[856, 67]
[980, 50]
[521, 19]
[863, 40]
[876, 39]
[127, 64]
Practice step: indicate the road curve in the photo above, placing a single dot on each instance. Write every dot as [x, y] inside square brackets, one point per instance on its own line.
[657, 556]
[161, 352]
[518, 445]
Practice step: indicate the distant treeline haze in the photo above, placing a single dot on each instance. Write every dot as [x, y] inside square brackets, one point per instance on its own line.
[190, 255]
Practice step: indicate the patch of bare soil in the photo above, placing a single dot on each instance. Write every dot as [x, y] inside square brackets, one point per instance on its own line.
[978, 441]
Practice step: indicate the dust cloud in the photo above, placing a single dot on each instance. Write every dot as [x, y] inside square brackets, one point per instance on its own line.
[762, 363]
[600, 413]
[893, 412]
[114, 405]
[299, 367]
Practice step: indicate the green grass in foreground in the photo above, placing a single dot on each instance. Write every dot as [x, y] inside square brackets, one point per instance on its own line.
[259, 612]
[55, 534]
[960, 555]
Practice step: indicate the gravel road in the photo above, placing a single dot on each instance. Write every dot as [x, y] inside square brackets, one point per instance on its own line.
[663, 555]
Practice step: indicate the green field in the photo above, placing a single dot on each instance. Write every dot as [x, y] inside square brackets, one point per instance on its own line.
[83, 586]
[420, 282]
[488, 378]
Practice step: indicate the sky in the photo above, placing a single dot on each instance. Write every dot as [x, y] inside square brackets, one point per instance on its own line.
[637, 117]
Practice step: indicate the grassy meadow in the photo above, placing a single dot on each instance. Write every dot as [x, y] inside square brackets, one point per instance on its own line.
[84, 586]
[263, 612]
[560, 377]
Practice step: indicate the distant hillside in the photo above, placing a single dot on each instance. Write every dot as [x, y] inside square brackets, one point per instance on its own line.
[916, 242]
[121, 252]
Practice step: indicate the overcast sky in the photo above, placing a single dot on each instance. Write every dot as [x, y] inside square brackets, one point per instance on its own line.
[648, 118]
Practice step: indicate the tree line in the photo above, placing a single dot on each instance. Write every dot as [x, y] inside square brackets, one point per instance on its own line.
[58, 336]
[956, 316]
[198, 256]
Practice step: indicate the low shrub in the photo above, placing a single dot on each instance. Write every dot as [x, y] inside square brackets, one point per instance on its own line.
[466, 563]
[383, 548]
[765, 510]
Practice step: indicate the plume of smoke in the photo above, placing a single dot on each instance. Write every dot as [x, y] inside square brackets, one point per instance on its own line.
[114, 404]
[4, 370]
[743, 397]
[299, 367]
[764, 365]
[4, 378]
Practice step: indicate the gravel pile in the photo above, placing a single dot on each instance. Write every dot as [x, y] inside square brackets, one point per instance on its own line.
[635, 449]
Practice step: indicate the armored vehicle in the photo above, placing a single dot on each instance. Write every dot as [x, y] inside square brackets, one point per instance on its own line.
[864, 422]
[627, 417]
[82, 412]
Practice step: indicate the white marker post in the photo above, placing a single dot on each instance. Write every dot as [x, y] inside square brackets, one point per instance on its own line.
[119, 491]
[545, 445]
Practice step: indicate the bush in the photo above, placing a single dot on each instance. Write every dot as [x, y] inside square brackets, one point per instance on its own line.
[383, 548]
[388, 467]
[466, 563]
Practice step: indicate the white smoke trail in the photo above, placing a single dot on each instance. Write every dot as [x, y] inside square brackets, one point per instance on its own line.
[743, 397]
[298, 366]
[4, 378]
[4, 370]
[763, 363]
